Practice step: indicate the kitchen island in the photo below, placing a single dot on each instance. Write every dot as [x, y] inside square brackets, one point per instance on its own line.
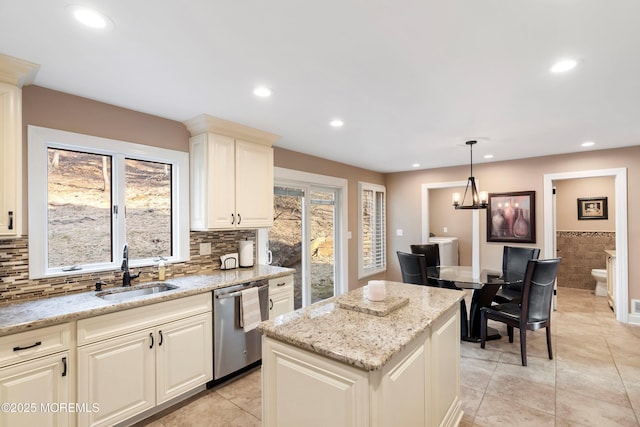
[349, 361]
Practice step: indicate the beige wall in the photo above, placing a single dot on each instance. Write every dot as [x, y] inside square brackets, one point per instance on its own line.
[302, 162]
[567, 193]
[404, 198]
[57, 110]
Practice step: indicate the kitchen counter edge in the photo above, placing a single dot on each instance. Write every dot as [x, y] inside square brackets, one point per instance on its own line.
[24, 316]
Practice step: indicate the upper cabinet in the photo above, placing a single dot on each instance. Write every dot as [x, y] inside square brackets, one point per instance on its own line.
[13, 74]
[231, 168]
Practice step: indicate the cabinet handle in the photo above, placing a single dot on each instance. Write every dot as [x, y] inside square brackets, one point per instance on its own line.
[233, 219]
[161, 338]
[151, 335]
[281, 284]
[64, 366]
[270, 304]
[10, 220]
[239, 219]
[28, 347]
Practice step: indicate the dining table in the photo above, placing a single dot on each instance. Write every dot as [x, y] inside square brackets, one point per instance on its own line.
[484, 283]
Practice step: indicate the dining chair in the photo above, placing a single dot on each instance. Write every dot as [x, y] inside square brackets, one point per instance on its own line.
[534, 311]
[431, 251]
[413, 268]
[412, 265]
[514, 260]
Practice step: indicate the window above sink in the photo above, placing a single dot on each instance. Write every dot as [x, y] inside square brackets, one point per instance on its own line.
[88, 196]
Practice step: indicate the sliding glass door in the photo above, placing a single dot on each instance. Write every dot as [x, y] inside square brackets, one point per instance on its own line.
[303, 237]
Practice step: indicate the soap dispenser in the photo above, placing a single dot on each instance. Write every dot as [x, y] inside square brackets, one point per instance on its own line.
[161, 269]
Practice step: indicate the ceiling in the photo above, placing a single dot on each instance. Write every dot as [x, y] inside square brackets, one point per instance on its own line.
[411, 79]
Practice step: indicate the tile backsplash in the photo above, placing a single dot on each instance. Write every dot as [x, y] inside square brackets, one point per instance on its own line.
[15, 284]
[582, 251]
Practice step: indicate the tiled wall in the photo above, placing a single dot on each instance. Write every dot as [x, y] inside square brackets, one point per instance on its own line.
[582, 251]
[14, 267]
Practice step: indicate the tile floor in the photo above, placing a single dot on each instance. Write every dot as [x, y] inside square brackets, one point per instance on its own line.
[593, 380]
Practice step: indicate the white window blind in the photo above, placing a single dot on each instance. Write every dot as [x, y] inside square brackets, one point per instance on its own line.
[372, 243]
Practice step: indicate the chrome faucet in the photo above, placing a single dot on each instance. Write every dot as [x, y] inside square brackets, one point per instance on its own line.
[126, 277]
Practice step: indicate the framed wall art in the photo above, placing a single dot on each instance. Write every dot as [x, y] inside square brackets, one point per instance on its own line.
[593, 208]
[511, 217]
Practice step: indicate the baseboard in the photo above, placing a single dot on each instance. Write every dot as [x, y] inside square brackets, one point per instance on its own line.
[634, 318]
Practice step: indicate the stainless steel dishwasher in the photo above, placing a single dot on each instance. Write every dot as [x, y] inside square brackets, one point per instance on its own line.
[233, 348]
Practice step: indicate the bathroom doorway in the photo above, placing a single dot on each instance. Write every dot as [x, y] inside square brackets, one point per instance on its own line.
[552, 205]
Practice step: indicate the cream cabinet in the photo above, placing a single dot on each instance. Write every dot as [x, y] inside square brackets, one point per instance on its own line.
[280, 296]
[231, 168]
[231, 183]
[611, 278]
[36, 377]
[419, 386]
[134, 360]
[10, 161]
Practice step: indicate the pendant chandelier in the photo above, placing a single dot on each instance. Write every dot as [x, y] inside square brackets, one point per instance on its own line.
[479, 200]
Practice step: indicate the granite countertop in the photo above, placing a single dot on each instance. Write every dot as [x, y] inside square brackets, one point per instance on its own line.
[358, 338]
[22, 316]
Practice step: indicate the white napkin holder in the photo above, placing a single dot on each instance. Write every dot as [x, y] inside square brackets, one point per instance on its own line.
[229, 261]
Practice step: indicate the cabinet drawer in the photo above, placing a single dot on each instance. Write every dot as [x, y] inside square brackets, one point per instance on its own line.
[123, 322]
[36, 343]
[280, 282]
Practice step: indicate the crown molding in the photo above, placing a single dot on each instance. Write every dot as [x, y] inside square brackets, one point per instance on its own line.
[205, 123]
[17, 71]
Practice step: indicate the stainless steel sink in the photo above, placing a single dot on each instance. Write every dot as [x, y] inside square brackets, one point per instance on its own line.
[140, 290]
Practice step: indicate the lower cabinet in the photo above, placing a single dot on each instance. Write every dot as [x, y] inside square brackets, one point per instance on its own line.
[37, 377]
[129, 374]
[419, 386]
[280, 296]
[33, 392]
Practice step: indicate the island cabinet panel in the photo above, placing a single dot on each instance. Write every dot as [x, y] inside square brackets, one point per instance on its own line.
[403, 388]
[301, 384]
[444, 372]
[418, 386]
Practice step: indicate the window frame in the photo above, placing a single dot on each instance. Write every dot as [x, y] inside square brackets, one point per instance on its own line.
[362, 271]
[41, 138]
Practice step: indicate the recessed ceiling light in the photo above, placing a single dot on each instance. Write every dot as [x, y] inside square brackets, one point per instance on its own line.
[488, 156]
[564, 65]
[415, 165]
[90, 18]
[588, 144]
[336, 123]
[262, 92]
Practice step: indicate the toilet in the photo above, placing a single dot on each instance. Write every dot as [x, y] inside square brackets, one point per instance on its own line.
[600, 275]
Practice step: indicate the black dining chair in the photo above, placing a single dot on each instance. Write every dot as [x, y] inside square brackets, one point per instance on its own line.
[413, 263]
[514, 261]
[534, 311]
[431, 252]
[413, 268]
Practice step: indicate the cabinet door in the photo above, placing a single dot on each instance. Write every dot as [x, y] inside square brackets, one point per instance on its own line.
[35, 388]
[254, 184]
[119, 375]
[294, 381]
[280, 302]
[184, 356]
[221, 182]
[10, 161]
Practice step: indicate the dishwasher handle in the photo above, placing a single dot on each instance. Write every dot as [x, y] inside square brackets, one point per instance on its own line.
[237, 293]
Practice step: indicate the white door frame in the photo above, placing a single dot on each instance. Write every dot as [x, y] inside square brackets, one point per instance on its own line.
[341, 184]
[622, 248]
[475, 232]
